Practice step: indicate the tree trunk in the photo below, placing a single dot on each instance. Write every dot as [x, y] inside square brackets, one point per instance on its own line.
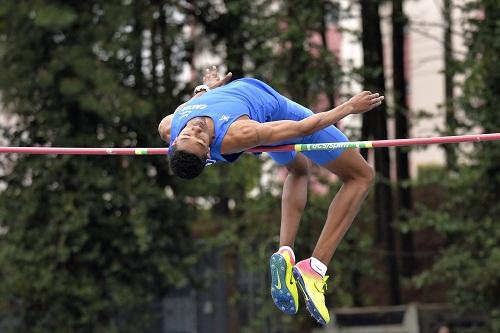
[329, 78]
[402, 128]
[138, 29]
[294, 60]
[451, 122]
[155, 48]
[375, 125]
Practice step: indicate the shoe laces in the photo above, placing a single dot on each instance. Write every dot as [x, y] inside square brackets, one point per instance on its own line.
[322, 286]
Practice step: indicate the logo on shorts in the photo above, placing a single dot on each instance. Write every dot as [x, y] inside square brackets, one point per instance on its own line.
[224, 118]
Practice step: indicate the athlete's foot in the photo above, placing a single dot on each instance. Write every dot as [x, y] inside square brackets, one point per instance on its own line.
[313, 287]
[283, 286]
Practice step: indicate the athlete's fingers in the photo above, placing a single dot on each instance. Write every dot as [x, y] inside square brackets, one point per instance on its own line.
[211, 75]
[226, 78]
[375, 97]
[377, 100]
[206, 75]
[223, 81]
[208, 71]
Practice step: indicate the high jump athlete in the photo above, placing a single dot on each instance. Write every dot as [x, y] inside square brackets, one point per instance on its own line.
[222, 121]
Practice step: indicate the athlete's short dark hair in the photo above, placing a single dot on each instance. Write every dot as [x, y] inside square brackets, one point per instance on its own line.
[186, 165]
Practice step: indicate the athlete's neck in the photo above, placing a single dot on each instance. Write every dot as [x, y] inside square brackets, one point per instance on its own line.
[209, 124]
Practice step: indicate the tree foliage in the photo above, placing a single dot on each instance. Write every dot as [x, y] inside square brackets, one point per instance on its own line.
[89, 242]
[469, 264]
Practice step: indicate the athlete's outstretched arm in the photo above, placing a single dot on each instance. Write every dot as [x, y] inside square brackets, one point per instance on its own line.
[281, 130]
[252, 134]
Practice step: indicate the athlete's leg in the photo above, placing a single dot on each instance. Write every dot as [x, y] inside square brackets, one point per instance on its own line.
[294, 198]
[357, 177]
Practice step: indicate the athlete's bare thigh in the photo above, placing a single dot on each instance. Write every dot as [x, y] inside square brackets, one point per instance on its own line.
[350, 165]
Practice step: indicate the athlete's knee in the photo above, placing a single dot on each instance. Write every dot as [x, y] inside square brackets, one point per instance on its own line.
[367, 175]
[363, 174]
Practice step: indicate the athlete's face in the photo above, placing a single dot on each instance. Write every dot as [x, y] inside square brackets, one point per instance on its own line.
[194, 138]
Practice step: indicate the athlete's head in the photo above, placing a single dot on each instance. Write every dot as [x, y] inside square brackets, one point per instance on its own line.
[191, 149]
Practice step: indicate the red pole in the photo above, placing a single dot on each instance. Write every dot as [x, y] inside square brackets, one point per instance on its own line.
[436, 140]
[164, 151]
[84, 151]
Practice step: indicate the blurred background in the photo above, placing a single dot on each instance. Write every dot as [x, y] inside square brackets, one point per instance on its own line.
[117, 244]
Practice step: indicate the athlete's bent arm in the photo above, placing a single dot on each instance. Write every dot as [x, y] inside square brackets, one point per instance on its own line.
[164, 127]
[212, 80]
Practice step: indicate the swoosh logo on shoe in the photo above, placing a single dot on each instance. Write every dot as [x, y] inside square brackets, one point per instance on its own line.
[278, 286]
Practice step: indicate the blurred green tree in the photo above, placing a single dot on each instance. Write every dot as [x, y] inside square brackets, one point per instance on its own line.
[89, 243]
[468, 219]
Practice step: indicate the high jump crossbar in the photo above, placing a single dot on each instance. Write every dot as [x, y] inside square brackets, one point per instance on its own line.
[282, 148]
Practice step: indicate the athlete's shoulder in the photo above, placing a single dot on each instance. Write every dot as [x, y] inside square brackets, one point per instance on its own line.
[241, 135]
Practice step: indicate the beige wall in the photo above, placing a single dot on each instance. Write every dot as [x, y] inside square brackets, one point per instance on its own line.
[425, 61]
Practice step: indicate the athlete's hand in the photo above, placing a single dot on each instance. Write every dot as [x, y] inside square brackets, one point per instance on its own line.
[212, 78]
[365, 101]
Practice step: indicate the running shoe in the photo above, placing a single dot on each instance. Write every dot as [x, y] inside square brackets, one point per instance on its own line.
[283, 286]
[313, 287]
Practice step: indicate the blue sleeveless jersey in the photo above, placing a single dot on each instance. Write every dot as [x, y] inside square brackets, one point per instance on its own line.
[255, 99]
[243, 97]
